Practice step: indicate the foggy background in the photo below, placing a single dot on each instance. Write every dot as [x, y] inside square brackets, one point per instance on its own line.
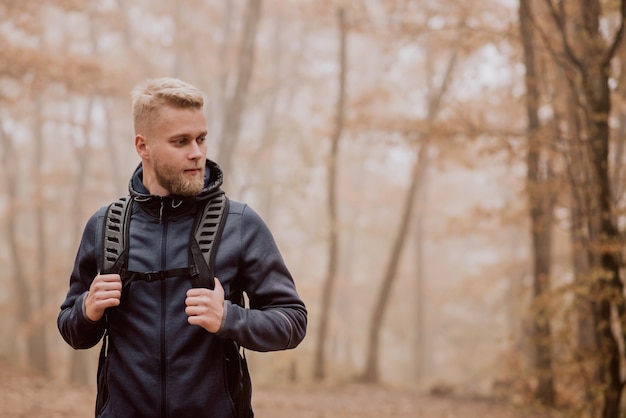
[384, 142]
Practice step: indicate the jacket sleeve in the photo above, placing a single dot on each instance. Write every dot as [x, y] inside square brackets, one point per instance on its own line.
[277, 317]
[75, 328]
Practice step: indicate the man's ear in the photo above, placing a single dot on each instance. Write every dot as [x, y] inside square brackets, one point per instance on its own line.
[141, 146]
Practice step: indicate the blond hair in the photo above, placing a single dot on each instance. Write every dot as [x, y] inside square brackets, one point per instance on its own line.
[151, 95]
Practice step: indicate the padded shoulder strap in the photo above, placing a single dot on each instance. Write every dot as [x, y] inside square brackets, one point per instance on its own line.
[115, 236]
[207, 232]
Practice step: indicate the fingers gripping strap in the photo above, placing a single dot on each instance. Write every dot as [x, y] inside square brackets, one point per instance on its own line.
[115, 236]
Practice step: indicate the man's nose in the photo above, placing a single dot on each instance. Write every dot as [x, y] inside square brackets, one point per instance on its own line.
[196, 151]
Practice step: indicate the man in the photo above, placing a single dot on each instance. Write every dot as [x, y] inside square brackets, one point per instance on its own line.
[166, 338]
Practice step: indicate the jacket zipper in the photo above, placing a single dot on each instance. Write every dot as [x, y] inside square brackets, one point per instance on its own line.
[164, 225]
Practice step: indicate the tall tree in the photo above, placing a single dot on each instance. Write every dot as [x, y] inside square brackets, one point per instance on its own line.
[580, 191]
[235, 105]
[10, 163]
[333, 233]
[540, 205]
[586, 54]
[372, 373]
[38, 332]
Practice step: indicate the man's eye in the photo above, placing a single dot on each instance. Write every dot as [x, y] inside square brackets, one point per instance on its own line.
[201, 140]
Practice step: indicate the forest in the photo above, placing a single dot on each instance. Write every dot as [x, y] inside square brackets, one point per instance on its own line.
[445, 179]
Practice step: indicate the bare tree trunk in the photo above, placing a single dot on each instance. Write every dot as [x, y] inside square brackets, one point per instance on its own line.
[131, 42]
[590, 58]
[179, 42]
[236, 105]
[580, 185]
[222, 56]
[608, 289]
[263, 159]
[420, 350]
[29, 303]
[11, 168]
[37, 346]
[371, 373]
[540, 205]
[617, 169]
[118, 175]
[333, 249]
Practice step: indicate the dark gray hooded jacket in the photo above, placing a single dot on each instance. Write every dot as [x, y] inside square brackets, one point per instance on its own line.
[158, 365]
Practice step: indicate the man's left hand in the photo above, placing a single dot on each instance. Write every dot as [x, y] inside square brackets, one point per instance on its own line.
[205, 307]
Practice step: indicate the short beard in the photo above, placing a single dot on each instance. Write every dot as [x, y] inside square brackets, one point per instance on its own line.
[176, 184]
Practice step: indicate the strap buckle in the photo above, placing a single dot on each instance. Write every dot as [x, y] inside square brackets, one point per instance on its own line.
[194, 271]
[152, 276]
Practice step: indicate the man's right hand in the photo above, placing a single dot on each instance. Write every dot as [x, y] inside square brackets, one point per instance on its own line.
[105, 291]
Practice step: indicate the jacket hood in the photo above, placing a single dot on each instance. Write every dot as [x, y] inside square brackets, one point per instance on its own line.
[172, 205]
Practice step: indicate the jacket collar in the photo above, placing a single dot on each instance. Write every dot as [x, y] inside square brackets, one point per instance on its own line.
[173, 205]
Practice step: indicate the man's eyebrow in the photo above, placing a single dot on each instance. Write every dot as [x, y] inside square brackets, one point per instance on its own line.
[188, 135]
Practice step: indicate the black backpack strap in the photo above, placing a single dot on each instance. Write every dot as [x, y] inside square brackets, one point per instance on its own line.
[115, 236]
[206, 233]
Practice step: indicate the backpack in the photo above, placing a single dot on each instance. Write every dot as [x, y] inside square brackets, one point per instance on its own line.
[205, 235]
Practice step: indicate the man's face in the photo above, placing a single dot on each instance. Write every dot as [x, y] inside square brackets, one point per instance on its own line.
[176, 152]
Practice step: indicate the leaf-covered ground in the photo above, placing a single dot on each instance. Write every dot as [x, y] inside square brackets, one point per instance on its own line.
[26, 395]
